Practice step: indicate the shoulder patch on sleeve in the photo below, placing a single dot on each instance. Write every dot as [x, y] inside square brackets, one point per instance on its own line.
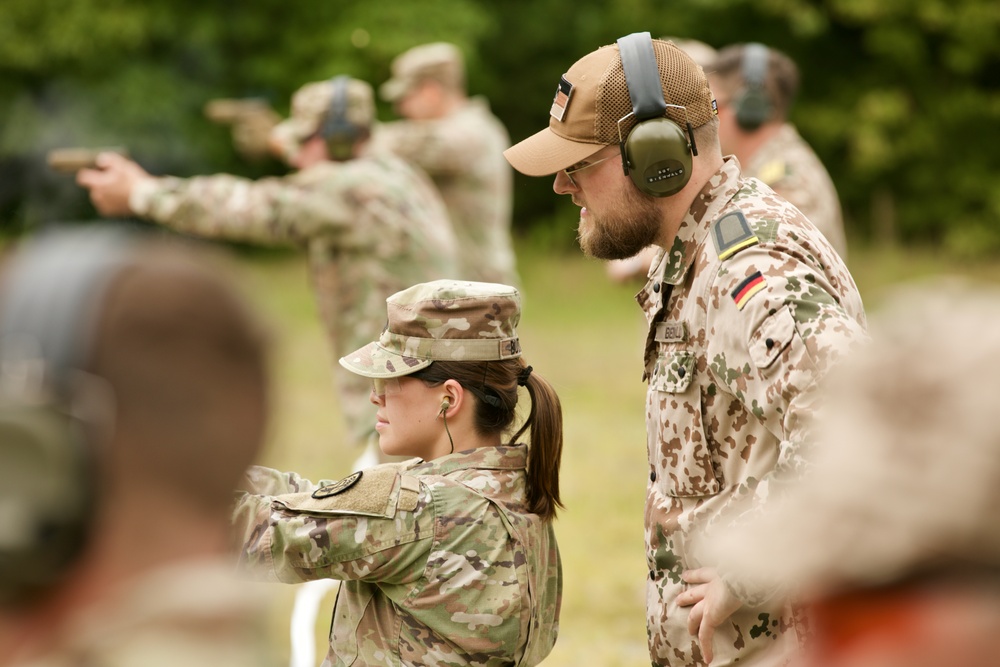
[731, 233]
[747, 288]
[333, 489]
[374, 493]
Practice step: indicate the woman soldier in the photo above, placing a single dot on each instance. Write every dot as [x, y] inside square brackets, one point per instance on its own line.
[448, 558]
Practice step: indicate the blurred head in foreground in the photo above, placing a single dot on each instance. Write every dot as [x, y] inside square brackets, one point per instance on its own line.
[133, 395]
[891, 538]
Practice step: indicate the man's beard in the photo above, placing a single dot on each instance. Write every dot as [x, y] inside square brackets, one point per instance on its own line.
[629, 226]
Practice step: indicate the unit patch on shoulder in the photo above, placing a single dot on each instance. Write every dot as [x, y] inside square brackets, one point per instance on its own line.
[340, 486]
[731, 233]
[747, 288]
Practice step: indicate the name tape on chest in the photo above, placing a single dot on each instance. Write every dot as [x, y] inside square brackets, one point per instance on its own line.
[670, 332]
[731, 233]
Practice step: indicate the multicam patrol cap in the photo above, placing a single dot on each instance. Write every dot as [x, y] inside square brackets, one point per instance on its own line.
[592, 96]
[311, 104]
[443, 320]
[439, 61]
[905, 478]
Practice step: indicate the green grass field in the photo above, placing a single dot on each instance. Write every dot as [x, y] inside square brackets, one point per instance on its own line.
[584, 334]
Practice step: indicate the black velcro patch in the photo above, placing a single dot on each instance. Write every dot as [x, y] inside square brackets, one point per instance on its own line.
[340, 486]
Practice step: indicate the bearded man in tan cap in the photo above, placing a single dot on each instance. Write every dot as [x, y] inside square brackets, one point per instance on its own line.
[369, 223]
[459, 143]
[748, 306]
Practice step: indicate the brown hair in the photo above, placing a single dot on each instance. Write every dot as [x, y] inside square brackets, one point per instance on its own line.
[494, 384]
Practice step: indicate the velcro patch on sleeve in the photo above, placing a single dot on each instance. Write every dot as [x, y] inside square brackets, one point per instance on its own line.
[747, 288]
[731, 233]
[370, 494]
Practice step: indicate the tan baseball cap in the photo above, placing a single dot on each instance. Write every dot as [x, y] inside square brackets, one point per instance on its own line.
[439, 61]
[311, 104]
[442, 320]
[591, 98]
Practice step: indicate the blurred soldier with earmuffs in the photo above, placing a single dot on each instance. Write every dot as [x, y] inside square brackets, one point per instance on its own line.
[133, 396]
[756, 86]
[747, 305]
[369, 223]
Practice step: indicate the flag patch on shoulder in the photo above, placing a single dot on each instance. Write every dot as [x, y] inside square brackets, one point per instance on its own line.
[746, 289]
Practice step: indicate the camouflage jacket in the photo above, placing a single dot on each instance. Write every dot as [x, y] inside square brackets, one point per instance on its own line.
[195, 613]
[790, 167]
[441, 562]
[370, 226]
[463, 154]
[746, 311]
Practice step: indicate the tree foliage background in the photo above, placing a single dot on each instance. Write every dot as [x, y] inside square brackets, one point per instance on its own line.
[901, 98]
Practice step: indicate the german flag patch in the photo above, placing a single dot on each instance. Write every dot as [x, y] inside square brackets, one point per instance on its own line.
[746, 289]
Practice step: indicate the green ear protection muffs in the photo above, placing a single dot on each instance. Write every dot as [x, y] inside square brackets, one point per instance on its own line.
[340, 133]
[657, 153]
[753, 106]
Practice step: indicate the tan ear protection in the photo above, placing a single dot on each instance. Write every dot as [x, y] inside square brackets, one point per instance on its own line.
[338, 131]
[657, 153]
[753, 105]
[50, 301]
[445, 404]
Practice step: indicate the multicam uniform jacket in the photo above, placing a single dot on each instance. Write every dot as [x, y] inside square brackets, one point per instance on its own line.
[746, 311]
[441, 562]
[370, 226]
[790, 167]
[463, 154]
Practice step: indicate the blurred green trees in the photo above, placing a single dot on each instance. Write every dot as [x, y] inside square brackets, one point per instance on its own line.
[901, 98]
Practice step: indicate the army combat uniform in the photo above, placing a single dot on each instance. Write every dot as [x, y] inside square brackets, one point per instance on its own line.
[790, 167]
[370, 226]
[746, 311]
[463, 154]
[441, 562]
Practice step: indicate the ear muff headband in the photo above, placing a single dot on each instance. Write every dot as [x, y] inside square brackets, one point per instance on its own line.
[339, 132]
[753, 107]
[49, 304]
[657, 153]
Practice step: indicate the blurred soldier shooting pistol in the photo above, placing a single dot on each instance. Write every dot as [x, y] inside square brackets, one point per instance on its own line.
[252, 120]
[72, 160]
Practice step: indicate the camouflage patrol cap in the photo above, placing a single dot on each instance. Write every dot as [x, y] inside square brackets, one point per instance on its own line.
[592, 96]
[443, 320]
[310, 106]
[906, 474]
[439, 61]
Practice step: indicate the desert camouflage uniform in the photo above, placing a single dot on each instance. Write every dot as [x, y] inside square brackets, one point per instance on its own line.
[463, 154]
[441, 562]
[370, 226]
[745, 313]
[791, 168]
[195, 614]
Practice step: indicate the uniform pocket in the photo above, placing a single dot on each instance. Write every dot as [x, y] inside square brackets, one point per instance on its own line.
[679, 448]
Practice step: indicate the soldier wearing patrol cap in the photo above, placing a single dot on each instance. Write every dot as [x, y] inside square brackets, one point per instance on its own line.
[756, 86]
[890, 540]
[747, 304]
[369, 223]
[458, 142]
[448, 558]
